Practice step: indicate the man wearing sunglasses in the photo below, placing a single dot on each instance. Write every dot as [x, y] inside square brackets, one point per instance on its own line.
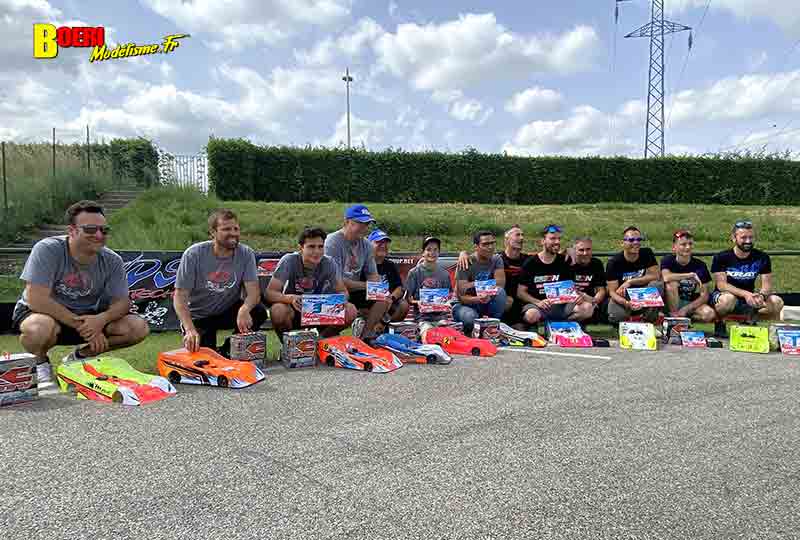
[76, 293]
[686, 280]
[547, 266]
[208, 286]
[735, 273]
[484, 264]
[635, 266]
[353, 253]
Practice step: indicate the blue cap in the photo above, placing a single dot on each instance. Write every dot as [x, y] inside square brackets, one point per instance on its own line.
[377, 235]
[358, 212]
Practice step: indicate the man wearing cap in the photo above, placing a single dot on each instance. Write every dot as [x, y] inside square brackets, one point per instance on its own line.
[390, 275]
[548, 266]
[353, 253]
[635, 266]
[427, 275]
[735, 273]
[484, 264]
[307, 271]
[686, 280]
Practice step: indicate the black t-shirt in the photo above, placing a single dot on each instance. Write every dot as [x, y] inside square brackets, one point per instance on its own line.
[589, 277]
[686, 287]
[742, 273]
[619, 269]
[388, 272]
[513, 269]
[535, 274]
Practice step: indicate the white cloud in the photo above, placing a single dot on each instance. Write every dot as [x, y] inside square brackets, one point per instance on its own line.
[392, 8]
[369, 134]
[350, 44]
[462, 108]
[240, 24]
[476, 48]
[784, 13]
[534, 99]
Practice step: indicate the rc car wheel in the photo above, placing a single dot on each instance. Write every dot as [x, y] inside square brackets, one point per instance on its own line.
[475, 351]
[222, 381]
[432, 359]
[116, 397]
[329, 361]
[174, 377]
[367, 366]
[527, 342]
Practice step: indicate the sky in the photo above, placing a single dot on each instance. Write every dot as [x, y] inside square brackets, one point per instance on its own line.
[525, 78]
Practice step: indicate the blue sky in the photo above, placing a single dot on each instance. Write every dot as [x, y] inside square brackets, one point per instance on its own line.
[527, 78]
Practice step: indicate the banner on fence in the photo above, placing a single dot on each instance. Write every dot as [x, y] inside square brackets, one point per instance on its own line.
[151, 281]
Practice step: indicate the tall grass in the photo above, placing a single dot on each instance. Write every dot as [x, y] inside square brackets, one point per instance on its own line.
[35, 196]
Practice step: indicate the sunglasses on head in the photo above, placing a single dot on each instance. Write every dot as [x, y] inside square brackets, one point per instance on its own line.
[743, 224]
[551, 229]
[92, 229]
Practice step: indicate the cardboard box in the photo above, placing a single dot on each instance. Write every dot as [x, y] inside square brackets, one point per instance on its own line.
[378, 290]
[18, 379]
[322, 310]
[645, 297]
[434, 300]
[487, 328]
[299, 348]
[561, 292]
[406, 329]
[672, 327]
[486, 288]
[249, 347]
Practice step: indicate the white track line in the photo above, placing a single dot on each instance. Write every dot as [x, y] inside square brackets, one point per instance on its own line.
[574, 355]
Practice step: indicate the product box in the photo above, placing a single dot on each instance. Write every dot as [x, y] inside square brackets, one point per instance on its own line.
[486, 288]
[18, 379]
[249, 347]
[458, 326]
[774, 342]
[407, 329]
[487, 328]
[378, 290]
[561, 292]
[322, 310]
[693, 339]
[299, 348]
[434, 300]
[645, 297]
[790, 341]
[672, 327]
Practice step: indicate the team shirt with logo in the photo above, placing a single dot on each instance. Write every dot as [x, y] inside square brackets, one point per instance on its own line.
[513, 271]
[83, 290]
[687, 288]
[742, 273]
[389, 274]
[620, 269]
[421, 277]
[354, 258]
[479, 270]
[298, 279]
[535, 273]
[214, 283]
[589, 277]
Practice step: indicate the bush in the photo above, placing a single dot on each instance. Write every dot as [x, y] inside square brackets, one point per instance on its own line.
[240, 170]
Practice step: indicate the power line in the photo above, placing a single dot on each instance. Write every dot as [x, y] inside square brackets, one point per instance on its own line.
[686, 62]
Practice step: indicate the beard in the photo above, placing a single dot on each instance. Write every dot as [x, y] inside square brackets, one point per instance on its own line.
[747, 247]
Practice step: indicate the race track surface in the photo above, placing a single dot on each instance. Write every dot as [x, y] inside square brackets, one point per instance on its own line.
[673, 444]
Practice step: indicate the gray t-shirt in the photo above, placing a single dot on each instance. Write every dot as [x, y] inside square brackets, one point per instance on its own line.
[297, 279]
[425, 278]
[479, 270]
[355, 259]
[81, 289]
[215, 282]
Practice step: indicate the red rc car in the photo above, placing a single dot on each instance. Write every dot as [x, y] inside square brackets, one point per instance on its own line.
[454, 342]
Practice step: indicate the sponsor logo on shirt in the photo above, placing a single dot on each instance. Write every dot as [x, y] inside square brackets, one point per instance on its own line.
[74, 285]
[545, 279]
[744, 271]
[220, 280]
[631, 275]
[482, 276]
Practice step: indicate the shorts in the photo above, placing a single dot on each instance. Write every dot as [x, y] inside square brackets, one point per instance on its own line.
[66, 336]
[514, 314]
[557, 312]
[742, 307]
[359, 299]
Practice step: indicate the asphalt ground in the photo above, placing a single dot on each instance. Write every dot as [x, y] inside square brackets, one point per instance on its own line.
[668, 444]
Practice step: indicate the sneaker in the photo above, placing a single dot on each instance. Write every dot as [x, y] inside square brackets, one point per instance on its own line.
[74, 356]
[45, 381]
[720, 330]
[358, 326]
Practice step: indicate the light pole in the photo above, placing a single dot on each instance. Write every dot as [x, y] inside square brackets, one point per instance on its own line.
[347, 80]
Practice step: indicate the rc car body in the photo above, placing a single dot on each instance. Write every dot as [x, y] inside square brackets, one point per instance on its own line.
[352, 353]
[568, 334]
[411, 351]
[511, 337]
[639, 336]
[455, 342]
[207, 367]
[112, 379]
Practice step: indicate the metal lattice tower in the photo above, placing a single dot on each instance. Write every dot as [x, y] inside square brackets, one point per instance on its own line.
[656, 29]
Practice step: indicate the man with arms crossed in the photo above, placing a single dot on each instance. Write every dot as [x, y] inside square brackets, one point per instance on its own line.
[353, 253]
[76, 293]
[484, 264]
[307, 271]
[735, 273]
[549, 265]
[633, 267]
[209, 283]
[686, 280]
[590, 279]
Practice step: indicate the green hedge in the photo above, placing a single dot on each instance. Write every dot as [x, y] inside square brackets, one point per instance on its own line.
[240, 170]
